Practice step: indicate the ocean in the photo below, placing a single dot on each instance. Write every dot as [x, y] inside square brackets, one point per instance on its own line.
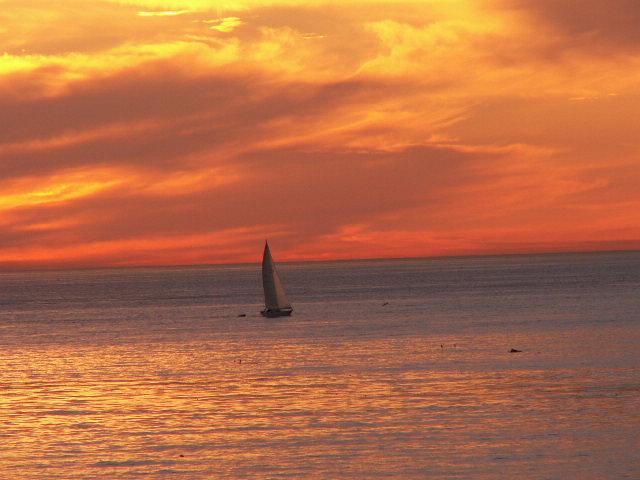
[387, 369]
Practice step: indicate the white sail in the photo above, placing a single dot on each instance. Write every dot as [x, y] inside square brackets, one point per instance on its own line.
[274, 296]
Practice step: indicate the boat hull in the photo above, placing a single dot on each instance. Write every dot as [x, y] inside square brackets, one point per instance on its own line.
[276, 313]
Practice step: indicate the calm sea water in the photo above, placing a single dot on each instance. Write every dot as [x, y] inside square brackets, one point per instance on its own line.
[151, 373]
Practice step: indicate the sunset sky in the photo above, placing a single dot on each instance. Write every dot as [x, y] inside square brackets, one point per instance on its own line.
[144, 132]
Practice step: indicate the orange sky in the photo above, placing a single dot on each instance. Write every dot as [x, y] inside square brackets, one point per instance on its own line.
[138, 132]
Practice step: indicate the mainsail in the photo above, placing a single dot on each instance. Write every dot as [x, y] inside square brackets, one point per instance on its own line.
[274, 296]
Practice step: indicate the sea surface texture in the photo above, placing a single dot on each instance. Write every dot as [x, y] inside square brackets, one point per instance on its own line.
[387, 369]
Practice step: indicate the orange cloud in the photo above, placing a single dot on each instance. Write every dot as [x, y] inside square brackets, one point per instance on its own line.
[29, 192]
[360, 129]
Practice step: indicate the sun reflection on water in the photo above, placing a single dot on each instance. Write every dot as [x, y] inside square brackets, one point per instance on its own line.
[219, 408]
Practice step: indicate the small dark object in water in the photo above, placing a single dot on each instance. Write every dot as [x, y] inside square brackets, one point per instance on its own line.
[242, 315]
[181, 455]
[513, 350]
[441, 346]
[385, 304]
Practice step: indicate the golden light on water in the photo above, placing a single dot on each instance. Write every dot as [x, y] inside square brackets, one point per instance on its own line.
[156, 403]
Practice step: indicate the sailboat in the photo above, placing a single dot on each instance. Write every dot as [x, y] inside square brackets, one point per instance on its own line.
[275, 300]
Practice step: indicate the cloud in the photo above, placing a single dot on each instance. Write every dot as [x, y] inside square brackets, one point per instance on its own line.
[404, 129]
[155, 115]
[162, 13]
[224, 25]
[592, 25]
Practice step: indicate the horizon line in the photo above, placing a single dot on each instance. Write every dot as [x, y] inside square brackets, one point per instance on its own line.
[315, 260]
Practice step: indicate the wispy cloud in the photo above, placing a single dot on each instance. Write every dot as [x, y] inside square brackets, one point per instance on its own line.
[225, 25]
[163, 13]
